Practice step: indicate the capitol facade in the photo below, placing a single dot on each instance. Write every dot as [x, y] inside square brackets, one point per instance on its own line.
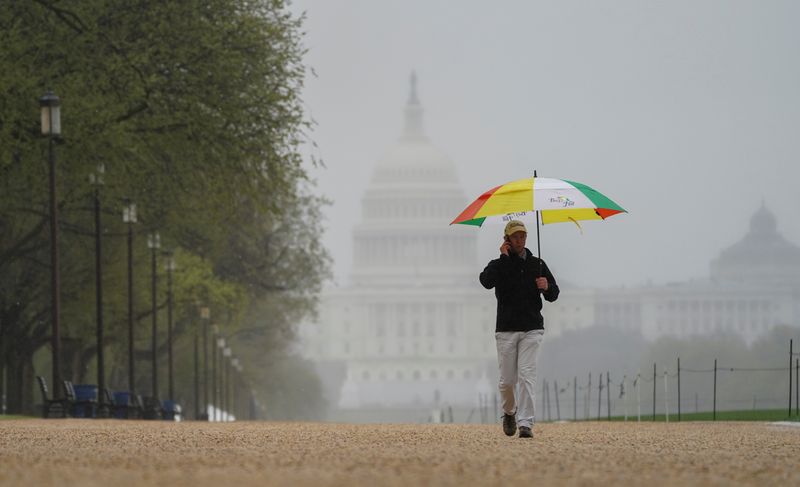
[413, 331]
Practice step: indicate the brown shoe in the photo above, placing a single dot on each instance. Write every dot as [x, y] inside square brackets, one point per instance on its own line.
[525, 432]
[509, 424]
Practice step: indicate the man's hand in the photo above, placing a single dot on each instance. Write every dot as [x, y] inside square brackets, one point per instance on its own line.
[505, 248]
[541, 283]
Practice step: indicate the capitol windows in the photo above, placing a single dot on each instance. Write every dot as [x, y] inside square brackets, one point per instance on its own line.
[401, 329]
[380, 329]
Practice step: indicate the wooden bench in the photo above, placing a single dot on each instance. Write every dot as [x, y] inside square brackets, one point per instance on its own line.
[62, 405]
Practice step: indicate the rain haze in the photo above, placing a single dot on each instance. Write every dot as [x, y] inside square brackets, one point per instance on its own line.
[684, 113]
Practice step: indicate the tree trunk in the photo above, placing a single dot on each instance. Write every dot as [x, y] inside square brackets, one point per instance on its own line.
[20, 387]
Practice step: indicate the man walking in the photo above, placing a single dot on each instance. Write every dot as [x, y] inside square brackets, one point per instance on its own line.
[519, 279]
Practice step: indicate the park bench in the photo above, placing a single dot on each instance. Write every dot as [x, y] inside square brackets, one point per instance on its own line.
[112, 406]
[128, 406]
[171, 410]
[152, 408]
[83, 404]
[62, 405]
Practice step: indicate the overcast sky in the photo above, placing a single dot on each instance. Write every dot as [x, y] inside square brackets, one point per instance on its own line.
[686, 113]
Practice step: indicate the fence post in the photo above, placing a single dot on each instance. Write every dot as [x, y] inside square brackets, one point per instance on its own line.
[654, 391]
[575, 399]
[714, 414]
[638, 397]
[558, 408]
[549, 410]
[544, 398]
[666, 398]
[625, 396]
[608, 394]
[599, 394]
[588, 404]
[790, 377]
[679, 389]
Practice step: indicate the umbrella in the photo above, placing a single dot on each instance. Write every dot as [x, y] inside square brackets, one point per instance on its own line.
[557, 200]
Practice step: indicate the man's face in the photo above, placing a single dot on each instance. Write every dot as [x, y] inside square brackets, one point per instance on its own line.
[517, 240]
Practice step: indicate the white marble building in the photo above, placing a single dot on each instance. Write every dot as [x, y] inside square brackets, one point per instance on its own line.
[753, 286]
[414, 330]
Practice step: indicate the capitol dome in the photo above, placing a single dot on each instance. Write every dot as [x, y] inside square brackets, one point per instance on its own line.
[413, 194]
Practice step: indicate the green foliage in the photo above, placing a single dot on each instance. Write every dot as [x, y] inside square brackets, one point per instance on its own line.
[193, 108]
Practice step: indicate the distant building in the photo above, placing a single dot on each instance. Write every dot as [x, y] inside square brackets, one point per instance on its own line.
[754, 285]
[414, 330]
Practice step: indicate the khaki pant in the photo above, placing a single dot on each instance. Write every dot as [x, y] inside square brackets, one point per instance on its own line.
[517, 352]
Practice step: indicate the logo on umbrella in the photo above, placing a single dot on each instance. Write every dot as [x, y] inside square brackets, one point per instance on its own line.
[513, 216]
[563, 200]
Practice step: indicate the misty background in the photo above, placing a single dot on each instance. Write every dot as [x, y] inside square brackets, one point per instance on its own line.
[684, 113]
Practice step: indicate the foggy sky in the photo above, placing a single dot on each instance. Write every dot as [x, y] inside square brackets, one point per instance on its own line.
[686, 113]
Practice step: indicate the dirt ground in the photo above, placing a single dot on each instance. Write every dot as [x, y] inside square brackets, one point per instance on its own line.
[126, 453]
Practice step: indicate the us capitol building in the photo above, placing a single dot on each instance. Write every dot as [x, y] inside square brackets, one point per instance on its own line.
[413, 332]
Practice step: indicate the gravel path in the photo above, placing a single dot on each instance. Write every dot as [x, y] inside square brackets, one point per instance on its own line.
[126, 453]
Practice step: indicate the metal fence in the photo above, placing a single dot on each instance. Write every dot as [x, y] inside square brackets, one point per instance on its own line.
[673, 391]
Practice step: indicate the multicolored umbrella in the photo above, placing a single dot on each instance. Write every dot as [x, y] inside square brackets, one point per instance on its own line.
[557, 200]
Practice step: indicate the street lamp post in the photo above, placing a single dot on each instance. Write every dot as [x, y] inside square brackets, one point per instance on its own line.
[154, 243]
[96, 179]
[129, 217]
[51, 127]
[170, 265]
[196, 376]
[237, 370]
[227, 381]
[205, 315]
[218, 344]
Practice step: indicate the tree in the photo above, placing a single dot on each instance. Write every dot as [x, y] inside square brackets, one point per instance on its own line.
[193, 107]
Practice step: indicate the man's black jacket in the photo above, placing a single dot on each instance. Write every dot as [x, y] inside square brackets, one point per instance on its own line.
[519, 304]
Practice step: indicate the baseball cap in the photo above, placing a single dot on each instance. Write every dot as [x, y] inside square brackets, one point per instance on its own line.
[515, 226]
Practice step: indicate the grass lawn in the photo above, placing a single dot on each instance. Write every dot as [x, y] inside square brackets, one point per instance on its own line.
[15, 416]
[743, 415]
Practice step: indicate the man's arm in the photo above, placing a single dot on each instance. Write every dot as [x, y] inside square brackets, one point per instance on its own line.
[551, 294]
[493, 272]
